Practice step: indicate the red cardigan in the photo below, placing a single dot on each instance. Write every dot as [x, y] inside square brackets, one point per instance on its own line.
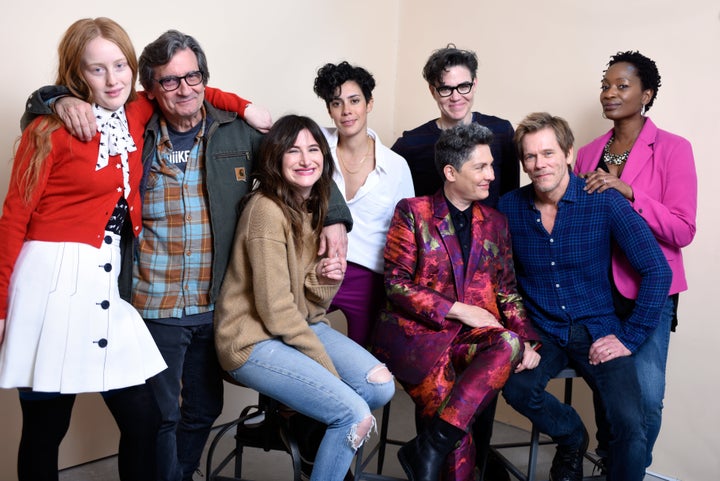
[72, 202]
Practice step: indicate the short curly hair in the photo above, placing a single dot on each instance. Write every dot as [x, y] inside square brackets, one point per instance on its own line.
[444, 58]
[646, 70]
[330, 78]
[456, 144]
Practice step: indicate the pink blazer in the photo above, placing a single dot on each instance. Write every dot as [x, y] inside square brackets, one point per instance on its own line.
[661, 172]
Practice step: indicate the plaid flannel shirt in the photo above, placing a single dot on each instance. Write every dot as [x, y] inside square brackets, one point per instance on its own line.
[564, 276]
[173, 272]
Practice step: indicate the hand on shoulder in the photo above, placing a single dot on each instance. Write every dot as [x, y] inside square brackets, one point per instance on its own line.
[78, 117]
[258, 118]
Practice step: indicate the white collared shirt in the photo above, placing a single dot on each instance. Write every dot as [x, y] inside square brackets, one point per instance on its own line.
[374, 203]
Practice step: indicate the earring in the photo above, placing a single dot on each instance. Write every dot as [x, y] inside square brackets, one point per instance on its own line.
[603, 115]
[642, 110]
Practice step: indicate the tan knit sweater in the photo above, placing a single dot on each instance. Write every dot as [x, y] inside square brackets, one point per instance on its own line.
[270, 288]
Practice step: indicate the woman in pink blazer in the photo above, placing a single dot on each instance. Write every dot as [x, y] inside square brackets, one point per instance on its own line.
[655, 171]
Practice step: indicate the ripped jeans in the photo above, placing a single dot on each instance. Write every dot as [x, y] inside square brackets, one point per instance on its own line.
[284, 373]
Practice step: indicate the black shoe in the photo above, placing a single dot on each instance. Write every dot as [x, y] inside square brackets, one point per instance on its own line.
[495, 469]
[308, 434]
[423, 457]
[567, 465]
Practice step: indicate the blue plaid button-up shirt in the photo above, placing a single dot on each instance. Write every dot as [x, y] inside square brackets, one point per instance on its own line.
[564, 276]
[174, 267]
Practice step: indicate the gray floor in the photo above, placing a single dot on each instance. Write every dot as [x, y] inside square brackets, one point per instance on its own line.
[276, 466]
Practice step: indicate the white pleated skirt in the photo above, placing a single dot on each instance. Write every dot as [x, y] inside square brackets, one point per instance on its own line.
[67, 329]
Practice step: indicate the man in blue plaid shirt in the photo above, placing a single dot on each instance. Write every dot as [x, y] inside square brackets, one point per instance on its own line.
[562, 241]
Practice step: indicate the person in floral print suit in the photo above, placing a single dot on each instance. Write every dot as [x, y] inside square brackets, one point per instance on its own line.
[454, 327]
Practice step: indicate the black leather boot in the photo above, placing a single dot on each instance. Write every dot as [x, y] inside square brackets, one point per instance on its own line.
[423, 457]
[567, 465]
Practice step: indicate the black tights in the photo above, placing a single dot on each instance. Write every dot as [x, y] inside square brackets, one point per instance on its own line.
[46, 420]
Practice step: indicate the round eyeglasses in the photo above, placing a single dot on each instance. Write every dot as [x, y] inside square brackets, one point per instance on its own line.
[446, 90]
[172, 82]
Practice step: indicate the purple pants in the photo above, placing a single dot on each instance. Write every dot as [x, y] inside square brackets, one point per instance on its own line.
[463, 382]
[360, 298]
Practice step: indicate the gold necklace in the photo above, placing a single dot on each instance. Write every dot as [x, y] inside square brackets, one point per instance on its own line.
[360, 164]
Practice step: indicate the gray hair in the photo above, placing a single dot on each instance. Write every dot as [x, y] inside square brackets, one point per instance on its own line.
[163, 49]
[456, 144]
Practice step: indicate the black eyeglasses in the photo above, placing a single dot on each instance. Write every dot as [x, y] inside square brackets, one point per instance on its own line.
[446, 90]
[172, 82]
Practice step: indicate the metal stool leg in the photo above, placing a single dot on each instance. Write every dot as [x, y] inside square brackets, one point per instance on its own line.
[261, 426]
[532, 456]
[534, 444]
[362, 460]
[383, 437]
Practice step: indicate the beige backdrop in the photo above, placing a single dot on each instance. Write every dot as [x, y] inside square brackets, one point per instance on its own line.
[533, 56]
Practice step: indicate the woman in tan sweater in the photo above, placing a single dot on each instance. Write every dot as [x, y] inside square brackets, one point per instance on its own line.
[270, 326]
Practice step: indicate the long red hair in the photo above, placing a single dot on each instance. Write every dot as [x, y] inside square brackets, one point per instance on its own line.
[70, 54]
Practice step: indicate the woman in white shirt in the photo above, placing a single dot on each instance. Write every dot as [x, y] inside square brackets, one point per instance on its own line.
[372, 179]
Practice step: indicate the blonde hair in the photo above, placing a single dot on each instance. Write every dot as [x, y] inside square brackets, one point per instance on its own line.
[70, 54]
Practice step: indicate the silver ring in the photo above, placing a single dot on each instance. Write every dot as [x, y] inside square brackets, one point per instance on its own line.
[604, 180]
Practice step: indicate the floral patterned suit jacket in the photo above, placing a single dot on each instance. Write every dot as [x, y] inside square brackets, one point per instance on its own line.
[425, 275]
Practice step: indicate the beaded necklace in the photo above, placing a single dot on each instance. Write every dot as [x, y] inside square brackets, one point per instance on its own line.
[614, 159]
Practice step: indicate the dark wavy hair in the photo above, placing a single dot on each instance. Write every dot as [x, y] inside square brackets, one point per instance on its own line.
[444, 58]
[456, 144]
[330, 78]
[268, 175]
[646, 70]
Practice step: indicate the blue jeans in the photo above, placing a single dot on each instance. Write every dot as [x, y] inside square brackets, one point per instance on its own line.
[194, 374]
[284, 373]
[615, 382]
[650, 362]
